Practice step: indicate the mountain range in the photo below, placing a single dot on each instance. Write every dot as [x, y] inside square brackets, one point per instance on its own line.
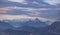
[4, 26]
[29, 28]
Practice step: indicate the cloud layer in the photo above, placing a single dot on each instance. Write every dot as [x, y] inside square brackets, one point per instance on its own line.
[51, 13]
[53, 2]
[36, 12]
[3, 10]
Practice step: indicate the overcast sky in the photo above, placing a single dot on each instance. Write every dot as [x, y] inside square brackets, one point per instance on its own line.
[52, 1]
[48, 1]
[33, 12]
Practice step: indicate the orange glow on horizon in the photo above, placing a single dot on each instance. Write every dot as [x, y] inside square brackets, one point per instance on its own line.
[3, 10]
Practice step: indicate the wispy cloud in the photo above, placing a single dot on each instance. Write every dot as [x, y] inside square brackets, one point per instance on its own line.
[20, 1]
[3, 10]
[30, 10]
[37, 12]
[22, 17]
[52, 2]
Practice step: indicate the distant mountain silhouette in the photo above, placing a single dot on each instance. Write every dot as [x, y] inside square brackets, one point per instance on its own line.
[14, 32]
[34, 27]
[4, 26]
[30, 27]
[27, 28]
[53, 29]
[33, 23]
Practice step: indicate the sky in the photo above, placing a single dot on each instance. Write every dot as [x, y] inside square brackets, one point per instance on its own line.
[53, 2]
[17, 1]
[43, 14]
[31, 11]
[40, 12]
